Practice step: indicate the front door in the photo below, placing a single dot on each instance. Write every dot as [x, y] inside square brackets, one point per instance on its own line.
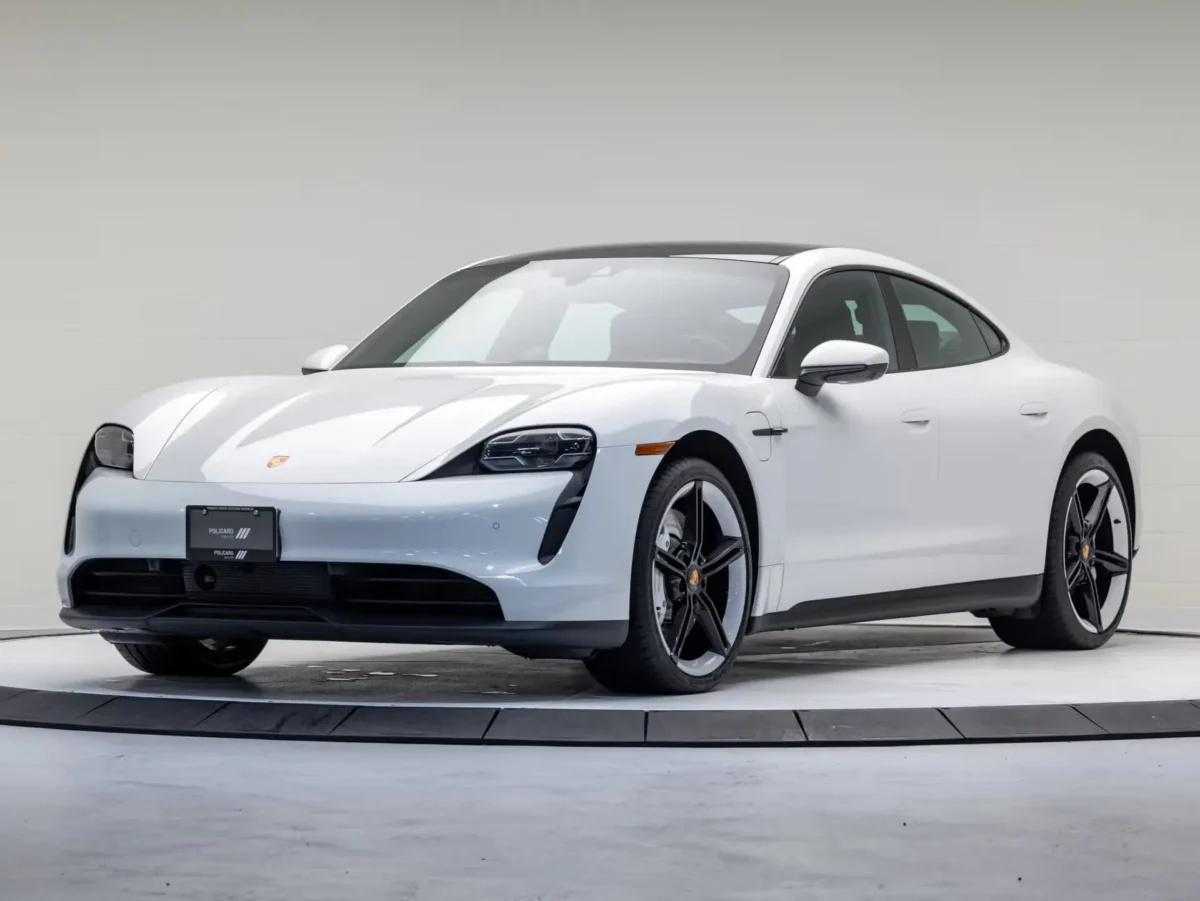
[861, 460]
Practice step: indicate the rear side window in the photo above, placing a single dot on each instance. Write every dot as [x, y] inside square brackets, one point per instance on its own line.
[943, 331]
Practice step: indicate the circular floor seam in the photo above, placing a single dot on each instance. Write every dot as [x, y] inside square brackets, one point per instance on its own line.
[597, 727]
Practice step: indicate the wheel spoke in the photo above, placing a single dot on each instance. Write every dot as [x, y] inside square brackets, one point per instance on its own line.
[1096, 511]
[1074, 515]
[1075, 574]
[691, 621]
[1112, 561]
[1091, 598]
[723, 555]
[693, 523]
[670, 564]
[710, 621]
[682, 623]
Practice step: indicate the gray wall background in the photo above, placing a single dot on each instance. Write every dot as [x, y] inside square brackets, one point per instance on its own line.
[221, 187]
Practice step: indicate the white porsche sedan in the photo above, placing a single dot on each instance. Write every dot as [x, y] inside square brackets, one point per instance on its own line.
[628, 455]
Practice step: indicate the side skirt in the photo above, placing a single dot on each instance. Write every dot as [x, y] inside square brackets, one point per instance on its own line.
[990, 597]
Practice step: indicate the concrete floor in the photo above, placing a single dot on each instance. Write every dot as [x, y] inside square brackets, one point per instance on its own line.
[135, 817]
[839, 666]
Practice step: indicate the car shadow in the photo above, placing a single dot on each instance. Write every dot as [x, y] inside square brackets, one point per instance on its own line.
[459, 675]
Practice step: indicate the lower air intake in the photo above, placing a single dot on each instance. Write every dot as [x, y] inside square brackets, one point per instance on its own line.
[297, 590]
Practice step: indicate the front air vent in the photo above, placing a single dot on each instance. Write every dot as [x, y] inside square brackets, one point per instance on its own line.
[420, 589]
[288, 591]
[129, 582]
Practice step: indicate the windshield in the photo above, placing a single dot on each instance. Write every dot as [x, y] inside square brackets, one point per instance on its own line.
[669, 313]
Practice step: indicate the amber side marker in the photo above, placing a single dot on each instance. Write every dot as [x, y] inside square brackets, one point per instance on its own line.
[653, 450]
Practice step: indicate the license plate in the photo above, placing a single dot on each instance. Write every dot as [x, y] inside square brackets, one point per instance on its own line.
[233, 534]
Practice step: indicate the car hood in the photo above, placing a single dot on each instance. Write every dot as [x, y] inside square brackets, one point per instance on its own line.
[377, 425]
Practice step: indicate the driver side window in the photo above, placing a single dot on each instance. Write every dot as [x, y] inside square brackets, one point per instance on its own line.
[845, 306]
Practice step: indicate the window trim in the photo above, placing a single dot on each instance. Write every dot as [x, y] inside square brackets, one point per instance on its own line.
[901, 343]
[980, 321]
[897, 311]
[906, 354]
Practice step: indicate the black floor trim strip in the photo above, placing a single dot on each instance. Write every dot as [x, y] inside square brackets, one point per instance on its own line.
[21, 634]
[566, 726]
[597, 727]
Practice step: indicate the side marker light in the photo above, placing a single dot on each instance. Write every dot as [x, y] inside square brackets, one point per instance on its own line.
[653, 450]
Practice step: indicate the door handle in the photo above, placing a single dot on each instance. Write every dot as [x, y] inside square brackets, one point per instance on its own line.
[1036, 408]
[916, 417]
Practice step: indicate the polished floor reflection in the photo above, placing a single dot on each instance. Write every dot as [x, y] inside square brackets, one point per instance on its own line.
[842, 666]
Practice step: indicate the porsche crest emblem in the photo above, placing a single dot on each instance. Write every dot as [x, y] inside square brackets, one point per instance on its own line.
[276, 461]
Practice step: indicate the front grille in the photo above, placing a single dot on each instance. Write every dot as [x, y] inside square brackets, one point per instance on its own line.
[291, 581]
[290, 590]
[132, 582]
[407, 585]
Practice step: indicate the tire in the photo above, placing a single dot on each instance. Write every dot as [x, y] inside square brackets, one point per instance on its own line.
[192, 656]
[702, 602]
[1099, 566]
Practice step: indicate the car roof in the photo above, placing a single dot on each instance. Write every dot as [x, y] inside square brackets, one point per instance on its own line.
[756, 251]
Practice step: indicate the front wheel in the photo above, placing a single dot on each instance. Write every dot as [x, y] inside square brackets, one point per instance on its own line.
[1089, 554]
[192, 656]
[691, 587]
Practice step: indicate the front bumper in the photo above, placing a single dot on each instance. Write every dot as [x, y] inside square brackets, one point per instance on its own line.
[485, 528]
[121, 627]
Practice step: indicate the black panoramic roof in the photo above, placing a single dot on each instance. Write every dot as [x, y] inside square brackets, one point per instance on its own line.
[763, 251]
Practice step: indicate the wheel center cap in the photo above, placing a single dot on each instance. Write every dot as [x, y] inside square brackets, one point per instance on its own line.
[1085, 551]
[693, 579]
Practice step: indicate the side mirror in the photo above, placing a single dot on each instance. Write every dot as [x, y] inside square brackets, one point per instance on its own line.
[324, 359]
[842, 362]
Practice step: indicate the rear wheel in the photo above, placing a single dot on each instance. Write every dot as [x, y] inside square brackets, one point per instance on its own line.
[691, 585]
[192, 656]
[1089, 554]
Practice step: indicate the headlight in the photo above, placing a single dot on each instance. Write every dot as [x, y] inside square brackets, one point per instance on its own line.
[538, 449]
[113, 445]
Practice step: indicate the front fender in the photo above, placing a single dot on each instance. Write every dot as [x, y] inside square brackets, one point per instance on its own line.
[669, 407]
[155, 416]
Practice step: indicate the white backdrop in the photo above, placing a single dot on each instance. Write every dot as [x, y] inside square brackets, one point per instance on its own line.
[220, 187]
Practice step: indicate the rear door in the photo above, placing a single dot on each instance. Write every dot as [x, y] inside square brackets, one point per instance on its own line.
[993, 435]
